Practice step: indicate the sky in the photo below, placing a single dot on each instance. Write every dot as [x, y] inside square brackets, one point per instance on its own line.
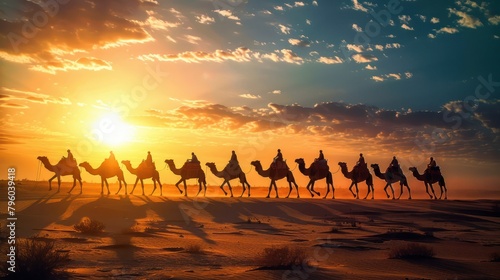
[411, 79]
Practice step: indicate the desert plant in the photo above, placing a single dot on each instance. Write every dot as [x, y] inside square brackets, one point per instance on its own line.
[37, 259]
[194, 249]
[283, 257]
[89, 226]
[411, 251]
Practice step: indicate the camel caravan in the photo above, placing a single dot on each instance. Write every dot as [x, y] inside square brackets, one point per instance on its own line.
[277, 170]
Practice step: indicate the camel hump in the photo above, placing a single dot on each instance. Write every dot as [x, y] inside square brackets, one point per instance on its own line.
[110, 163]
[433, 171]
[191, 166]
[279, 165]
[71, 163]
[145, 165]
[321, 164]
[233, 167]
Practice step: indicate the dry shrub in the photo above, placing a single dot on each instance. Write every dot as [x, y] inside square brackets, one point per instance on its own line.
[411, 251]
[194, 249]
[89, 226]
[37, 259]
[283, 257]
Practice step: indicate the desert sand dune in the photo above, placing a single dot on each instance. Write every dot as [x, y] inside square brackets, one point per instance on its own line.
[162, 237]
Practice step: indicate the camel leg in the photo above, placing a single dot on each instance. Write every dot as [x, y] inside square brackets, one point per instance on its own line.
[50, 182]
[275, 188]
[432, 189]
[409, 191]
[427, 190]
[58, 183]
[270, 187]
[204, 182]
[119, 189]
[185, 188]
[356, 195]
[296, 188]
[74, 185]
[244, 188]
[135, 184]
[308, 187]
[142, 186]
[154, 187]
[248, 189]
[199, 189]
[290, 189]
[222, 187]
[312, 187]
[107, 185]
[327, 190]
[443, 185]
[230, 188]
[161, 187]
[367, 193]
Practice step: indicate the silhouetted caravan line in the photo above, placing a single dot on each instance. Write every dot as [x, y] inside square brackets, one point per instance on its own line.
[190, 169]
[144, 171]
[66, 166]
[106, 170]
[392, 177]
[318, 170]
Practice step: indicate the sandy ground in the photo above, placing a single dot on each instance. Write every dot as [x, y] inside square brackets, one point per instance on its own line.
[148, 237]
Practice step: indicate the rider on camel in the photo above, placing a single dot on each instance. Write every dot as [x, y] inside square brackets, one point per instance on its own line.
[194, 158]
[234, 158]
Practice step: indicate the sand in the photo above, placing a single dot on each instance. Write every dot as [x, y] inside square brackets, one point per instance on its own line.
[173, 237]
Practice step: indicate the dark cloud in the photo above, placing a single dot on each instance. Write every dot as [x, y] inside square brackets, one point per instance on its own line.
[38, 34]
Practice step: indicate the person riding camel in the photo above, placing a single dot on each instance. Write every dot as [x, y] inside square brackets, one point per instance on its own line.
[149, 159]
[70, 160]
[70, 156]
[432, 164]
[321, 156]
[234, 158]
[361, 161]
[111, 156]
[394, 167]
[194, 158]
[278, 159]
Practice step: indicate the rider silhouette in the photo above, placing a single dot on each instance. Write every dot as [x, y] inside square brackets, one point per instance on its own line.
[70, 156]
[149, 159]
[361, 161]
[234, 158]
[194, 158]
[279, 156]
[321, 156]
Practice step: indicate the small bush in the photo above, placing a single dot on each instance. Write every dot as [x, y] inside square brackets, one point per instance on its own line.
[89, 226]
[194, 249]
[37, 259]
[283, 257]
[495, 257]
[411, 251]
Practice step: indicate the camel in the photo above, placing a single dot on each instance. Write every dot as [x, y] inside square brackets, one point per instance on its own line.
[230, 173]
[105, 170]
[390, 178]
[142, 172]
[61, 169]
[188, 171]
[275, 175]
[357, 177]
[315, 173]
[429, 180]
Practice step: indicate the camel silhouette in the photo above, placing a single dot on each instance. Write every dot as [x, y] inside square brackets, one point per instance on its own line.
[390, 178]
[106, 170]
[61, 169]
[276, 174]
[188, 171]
[356, 177]
[144, 172]
[230, 172]
[429, 180]
[316, 172]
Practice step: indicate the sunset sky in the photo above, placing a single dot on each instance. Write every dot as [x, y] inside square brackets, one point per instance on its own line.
[408, 78]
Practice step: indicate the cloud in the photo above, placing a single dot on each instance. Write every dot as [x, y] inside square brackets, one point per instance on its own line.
[299, 4]
[228, 14]
[369, 67]
[357, 28]
[356, 48]
[358, 7]
[100, 24]
[250, 96]
[278, 8]
[393, 76]
[86, 63]
[432, 36]
[315, 3]
[204, 19]
[466, 20]
[192, 39]
[495, 20]
[364, 58]
[12, 97]
[449, 30]
[377, 78]
[434, 20]
[240, 54]
[284, 29]
[276, 91]
[405, 26]
[330, 60]
[300, 43]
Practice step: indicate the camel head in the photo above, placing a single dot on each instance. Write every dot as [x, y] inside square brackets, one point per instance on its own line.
[413, 169]
[343, 164]
[169, 161]
[210, 164]
[84, 164]
[41, 158]
[255, 163]
[126, 162]
[375, 166]
[300, 161]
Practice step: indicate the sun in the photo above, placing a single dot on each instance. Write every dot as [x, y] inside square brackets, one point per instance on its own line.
[113, 131]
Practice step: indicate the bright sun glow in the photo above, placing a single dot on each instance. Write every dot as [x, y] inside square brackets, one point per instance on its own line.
[113, 131]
